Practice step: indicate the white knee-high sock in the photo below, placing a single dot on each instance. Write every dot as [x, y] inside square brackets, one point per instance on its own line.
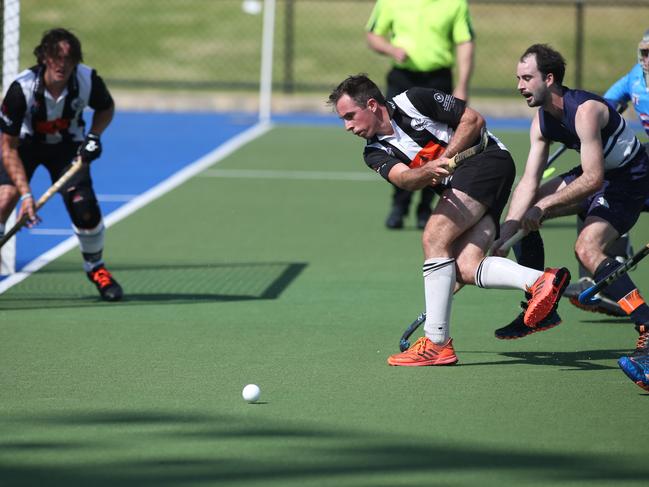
[439, 282]
[501, 273]
[91, 242]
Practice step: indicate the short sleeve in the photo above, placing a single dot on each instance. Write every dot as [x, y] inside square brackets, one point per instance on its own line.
[14, 107]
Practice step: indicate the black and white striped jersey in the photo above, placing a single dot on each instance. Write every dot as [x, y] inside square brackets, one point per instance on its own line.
[424, 121]
[30, 112]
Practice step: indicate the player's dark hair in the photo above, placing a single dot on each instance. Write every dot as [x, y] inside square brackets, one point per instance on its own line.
[359, 88]
[548, 61]
[49, 45]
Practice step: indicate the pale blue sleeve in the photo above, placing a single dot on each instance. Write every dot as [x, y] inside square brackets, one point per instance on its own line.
[619, 93]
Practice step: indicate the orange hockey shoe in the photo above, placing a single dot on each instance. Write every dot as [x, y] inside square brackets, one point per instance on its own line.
[546, 292]
[424, 352]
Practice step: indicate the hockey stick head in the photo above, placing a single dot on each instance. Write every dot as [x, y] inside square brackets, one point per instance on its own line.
[589, 295]
[404, 343]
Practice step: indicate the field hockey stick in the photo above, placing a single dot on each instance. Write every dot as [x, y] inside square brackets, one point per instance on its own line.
[588, 296]
[471, 151]
[549, 171]
[511, 241]
[76, 166]
[555, 155]
[404, 344]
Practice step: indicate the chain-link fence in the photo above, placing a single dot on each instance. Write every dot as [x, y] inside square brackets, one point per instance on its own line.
[216, 44]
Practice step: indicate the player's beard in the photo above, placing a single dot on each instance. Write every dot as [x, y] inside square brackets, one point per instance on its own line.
[534, 98]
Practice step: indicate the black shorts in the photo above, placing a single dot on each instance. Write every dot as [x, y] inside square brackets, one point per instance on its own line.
[55, 157]
[400, 80]
[488, 178]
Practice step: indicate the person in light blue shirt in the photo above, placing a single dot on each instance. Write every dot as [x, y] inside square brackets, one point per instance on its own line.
[634, 88]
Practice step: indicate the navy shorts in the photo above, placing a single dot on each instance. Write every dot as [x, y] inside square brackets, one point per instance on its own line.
[622, 196]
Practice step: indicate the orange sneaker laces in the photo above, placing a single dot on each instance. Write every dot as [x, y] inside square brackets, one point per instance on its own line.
[103, 277]
[643, 339]
[419, 346]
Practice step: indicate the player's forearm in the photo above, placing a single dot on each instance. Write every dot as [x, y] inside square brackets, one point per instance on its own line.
[16, 172]
[381, 45]
[580, 189]
[522, 199]
[101, 119]
[417, 178]
[13, 165]
[464, 55]
[468, 130]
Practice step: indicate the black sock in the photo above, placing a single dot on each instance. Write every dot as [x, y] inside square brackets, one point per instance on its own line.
[530, 252]
[624, 291]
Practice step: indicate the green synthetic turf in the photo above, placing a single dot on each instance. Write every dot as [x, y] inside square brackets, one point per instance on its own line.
[295, 285]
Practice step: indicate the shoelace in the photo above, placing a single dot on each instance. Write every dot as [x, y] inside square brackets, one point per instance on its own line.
[643, 340]
[419, 346]
[103, 277]
[538, 287]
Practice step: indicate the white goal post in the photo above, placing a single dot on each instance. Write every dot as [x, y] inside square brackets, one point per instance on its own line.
[10, 64]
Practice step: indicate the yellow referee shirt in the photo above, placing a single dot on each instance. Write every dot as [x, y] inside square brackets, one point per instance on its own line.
[427, 29]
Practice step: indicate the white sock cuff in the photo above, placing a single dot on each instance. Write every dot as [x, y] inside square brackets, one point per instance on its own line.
[91, 240]
[89, 231]
[502, 273]
[435, 263]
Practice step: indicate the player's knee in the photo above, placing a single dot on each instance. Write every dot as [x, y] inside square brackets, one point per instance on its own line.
[83, 208]
[587, 253]
[435, 239]
[432, 246]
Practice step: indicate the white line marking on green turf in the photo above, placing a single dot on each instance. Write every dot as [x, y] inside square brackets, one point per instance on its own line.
[172, 182]
[51, 231]
[111, 198]
[297, 175]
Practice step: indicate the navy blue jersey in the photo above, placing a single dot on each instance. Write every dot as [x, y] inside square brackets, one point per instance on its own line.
[619, 143]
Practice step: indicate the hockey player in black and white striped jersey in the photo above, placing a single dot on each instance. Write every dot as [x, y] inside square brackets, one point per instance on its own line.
[410, 139]
[42, 123]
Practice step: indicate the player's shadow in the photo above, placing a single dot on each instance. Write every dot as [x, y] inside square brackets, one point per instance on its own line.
[579, 360]
[324, 455]
[64, 287]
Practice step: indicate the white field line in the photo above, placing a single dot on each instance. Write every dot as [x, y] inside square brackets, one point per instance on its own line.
[172, 182]
[297, 175]
[115, 198]
[51, 231]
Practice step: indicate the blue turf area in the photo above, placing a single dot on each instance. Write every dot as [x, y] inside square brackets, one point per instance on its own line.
[139, 151]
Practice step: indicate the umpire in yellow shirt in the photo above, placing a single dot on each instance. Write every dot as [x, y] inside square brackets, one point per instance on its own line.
[424, 38]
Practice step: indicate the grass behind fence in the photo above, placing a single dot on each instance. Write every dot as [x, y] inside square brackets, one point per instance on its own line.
[215, 43]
